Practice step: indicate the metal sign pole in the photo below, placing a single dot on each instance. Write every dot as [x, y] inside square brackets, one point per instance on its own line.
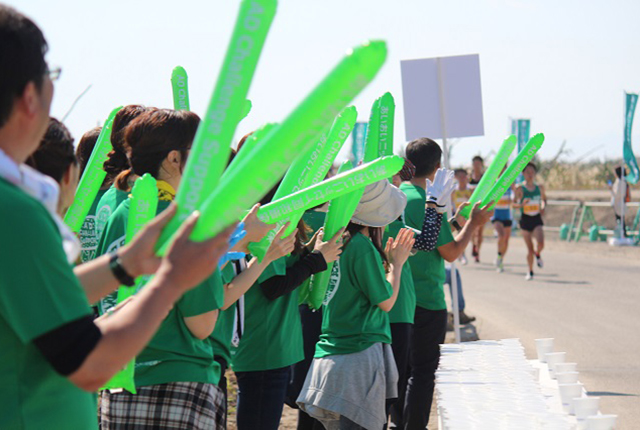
[447, 164]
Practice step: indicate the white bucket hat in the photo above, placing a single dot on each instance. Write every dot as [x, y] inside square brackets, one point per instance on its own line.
[380, 205]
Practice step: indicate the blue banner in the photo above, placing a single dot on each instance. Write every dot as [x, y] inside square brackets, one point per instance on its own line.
[521, 128]
[627, 151]
[358, 136]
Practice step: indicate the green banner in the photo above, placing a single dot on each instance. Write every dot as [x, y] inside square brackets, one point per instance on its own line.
[627, 152]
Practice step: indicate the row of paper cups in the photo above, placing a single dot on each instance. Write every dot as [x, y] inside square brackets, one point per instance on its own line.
[585, 408]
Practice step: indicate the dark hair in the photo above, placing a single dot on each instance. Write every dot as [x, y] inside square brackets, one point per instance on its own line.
[117, 160]
[455, 172]
[619, 171]
[477, 158]
[55, 153]
[531, 165]
[375, 234]
[232, 155]
[425, 154]
[153, 135]
[85, 147]
[243, 140]
[21, 58]
[301, 238]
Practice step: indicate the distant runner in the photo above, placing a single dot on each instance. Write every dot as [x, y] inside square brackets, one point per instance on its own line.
[532, 200]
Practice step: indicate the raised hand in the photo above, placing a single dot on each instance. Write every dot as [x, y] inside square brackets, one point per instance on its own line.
[399, 249]
[331, 249]
[281, 247]
[480, 216]
[439, 191]
[255, 228]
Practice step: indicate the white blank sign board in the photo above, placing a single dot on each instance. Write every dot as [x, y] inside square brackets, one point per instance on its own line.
[442, 97]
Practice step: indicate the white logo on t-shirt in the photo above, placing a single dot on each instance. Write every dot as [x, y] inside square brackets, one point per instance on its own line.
[334, 283]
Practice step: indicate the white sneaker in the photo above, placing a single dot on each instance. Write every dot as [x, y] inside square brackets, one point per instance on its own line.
[529, 277]
[499, 265]
[540, 262]
[463, 260]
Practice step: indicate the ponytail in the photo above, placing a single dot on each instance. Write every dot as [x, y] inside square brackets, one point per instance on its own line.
[115, 164]
[122, 181]
[117, 161]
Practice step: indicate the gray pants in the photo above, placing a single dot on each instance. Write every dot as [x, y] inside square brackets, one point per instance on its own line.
[351, 389]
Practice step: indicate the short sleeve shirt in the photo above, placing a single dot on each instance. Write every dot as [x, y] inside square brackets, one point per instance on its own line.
[404, 309]
[173, 354]
[223, 333]
[107, 206]
[88, 233]
[272, 336]
[351, 318]
[38, 293]
[427, 267]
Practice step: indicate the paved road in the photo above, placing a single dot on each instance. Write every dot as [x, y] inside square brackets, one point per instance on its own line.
[590, 304]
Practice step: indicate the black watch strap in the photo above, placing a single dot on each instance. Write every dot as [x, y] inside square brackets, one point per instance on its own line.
[454, 222]
[119, 272]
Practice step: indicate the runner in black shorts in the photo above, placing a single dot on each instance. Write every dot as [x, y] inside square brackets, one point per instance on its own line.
[531, 198]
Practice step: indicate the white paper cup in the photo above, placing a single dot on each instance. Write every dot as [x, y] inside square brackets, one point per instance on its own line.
[552, 358]
[568, 392]
[566, 377]
[544, 346]
[601, 422]
[565, 367]
[585, 406]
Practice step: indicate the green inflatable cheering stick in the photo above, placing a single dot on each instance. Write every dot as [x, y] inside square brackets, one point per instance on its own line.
[339, 214]
[92, 178]
[180, 86]
[371, 141]
[511, 174]
[212, 143]
[256, 175]
[340, 130]
[246, 108]
[143, 208]
[330, 189]
[296, 178]
[386, 112]
[489, 177]
[309, 170]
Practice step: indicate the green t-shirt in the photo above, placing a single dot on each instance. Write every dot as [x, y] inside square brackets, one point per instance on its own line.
[351, 318]
[112, 238]
[88, 233]
[404, 309]
[38, 293]
[272, 336]
[427, 267]
[107, 206]
[173, 354]
[223, 333]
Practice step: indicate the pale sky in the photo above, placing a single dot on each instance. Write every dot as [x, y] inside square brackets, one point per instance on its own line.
[564, 64]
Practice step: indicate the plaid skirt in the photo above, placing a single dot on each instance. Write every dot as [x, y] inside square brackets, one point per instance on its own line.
[177, 405]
